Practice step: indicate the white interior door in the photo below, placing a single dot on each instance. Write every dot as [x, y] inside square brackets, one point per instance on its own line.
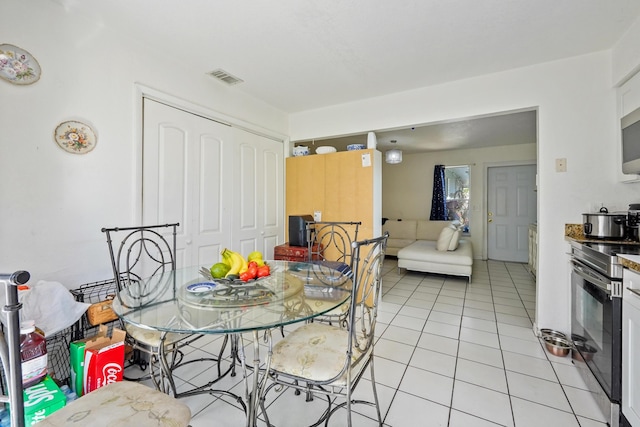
[186, 170]
[511, 207]
[259, 202]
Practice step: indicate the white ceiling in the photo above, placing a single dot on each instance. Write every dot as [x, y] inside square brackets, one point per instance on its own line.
[299, 55]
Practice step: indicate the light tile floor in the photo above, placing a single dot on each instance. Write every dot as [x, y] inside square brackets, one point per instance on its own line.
[448, 354]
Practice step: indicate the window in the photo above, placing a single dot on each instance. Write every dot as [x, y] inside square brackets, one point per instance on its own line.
[457, 191]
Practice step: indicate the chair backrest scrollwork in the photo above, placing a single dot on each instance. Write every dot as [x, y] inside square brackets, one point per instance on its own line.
[331, 241]
[368, 258]
[139, 252]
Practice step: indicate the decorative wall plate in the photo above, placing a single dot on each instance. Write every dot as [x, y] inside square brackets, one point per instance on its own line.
[75, 137]
[18, 66]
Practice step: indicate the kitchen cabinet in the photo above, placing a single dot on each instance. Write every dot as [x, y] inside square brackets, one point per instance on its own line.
[533, 248]
[343, 186]
[631, 347]
[628, 100]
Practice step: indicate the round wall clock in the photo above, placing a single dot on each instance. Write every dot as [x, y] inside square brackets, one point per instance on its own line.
[75, 137]
[17, 66]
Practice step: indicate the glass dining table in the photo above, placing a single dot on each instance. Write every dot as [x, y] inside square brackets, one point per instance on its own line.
[188, 301]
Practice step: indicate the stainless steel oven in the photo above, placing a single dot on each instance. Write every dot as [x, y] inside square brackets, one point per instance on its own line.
[596, 320]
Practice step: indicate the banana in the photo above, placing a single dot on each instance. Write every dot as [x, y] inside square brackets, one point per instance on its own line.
[245, 264]
[236, 261]
[226, 258]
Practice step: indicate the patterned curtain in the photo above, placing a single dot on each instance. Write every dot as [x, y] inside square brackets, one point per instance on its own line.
[438, 201]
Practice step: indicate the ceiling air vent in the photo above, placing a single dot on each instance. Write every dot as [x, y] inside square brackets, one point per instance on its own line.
[225, 77]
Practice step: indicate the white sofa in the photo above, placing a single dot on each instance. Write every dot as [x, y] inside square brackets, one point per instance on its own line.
[415, 243]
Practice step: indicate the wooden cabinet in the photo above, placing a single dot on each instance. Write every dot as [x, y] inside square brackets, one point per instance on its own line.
[533, 249]
[631, 347]
[343, 186]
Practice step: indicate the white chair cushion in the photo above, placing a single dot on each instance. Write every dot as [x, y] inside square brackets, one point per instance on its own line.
[122, 404]
[445, 238]
[151, 337]
[315, 351]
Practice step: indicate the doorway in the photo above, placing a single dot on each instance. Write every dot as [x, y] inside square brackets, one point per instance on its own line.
[511, 209]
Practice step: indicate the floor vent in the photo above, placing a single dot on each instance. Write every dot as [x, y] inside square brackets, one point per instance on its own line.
[225, 77]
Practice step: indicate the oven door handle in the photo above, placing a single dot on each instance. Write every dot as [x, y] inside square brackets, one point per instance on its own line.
[593, 277]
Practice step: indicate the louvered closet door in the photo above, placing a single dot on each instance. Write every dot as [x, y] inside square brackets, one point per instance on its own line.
[187, 178]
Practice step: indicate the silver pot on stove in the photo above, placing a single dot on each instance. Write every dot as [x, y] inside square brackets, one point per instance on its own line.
[604, 225]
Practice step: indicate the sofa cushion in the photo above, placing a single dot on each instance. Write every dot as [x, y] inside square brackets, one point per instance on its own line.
[455, 239]
[446, 234]
[429, 230]
[401, 229]
[399, 243]
[425, 252]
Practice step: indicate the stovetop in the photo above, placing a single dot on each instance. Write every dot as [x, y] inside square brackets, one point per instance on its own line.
[602, 257]
[613, 249]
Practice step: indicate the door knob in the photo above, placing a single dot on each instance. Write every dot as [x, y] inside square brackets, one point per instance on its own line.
[490, 220]
[188, 242]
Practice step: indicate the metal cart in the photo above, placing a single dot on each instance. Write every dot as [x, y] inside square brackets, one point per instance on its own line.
[10, 346]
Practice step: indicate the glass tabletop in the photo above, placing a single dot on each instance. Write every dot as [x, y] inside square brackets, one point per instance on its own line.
[185, 300]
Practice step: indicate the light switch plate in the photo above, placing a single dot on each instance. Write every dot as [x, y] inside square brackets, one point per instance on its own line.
[366, 160]
[317, 216]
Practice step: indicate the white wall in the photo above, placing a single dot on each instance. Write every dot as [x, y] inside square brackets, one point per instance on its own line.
[576, 120]
[55, 203]
[407, 187]
[626, 55]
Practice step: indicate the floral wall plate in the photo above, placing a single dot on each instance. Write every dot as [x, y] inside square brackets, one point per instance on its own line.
[75, 137]
[18, 66]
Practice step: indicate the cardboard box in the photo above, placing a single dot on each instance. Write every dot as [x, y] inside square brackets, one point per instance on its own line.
[103, 360]
[41, 400]
[76, 355]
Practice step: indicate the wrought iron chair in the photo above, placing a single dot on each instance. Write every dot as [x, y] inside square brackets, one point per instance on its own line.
[328, 360]
[329, 243]
[141, 252]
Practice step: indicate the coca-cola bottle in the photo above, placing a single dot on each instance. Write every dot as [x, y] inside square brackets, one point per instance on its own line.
[33, 353]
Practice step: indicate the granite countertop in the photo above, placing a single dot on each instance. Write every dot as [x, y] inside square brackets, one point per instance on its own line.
[632, 262]
[575, 232]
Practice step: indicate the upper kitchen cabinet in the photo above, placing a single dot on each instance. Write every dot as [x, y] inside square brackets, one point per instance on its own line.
[628, 101]
[343, 186]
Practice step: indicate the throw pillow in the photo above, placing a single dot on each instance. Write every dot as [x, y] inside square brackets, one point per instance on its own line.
[445, 238]
[453, 244]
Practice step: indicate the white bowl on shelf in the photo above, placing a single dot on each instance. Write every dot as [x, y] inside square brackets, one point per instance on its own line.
[325, 149]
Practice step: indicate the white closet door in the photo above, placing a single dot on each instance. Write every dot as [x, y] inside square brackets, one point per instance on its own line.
[259, 196]
[187, 178]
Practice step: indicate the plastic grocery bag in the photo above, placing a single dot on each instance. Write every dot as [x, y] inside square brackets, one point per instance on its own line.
[49, 304]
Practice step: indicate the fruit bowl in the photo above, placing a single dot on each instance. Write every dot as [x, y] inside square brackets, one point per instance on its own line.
[231, 281]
